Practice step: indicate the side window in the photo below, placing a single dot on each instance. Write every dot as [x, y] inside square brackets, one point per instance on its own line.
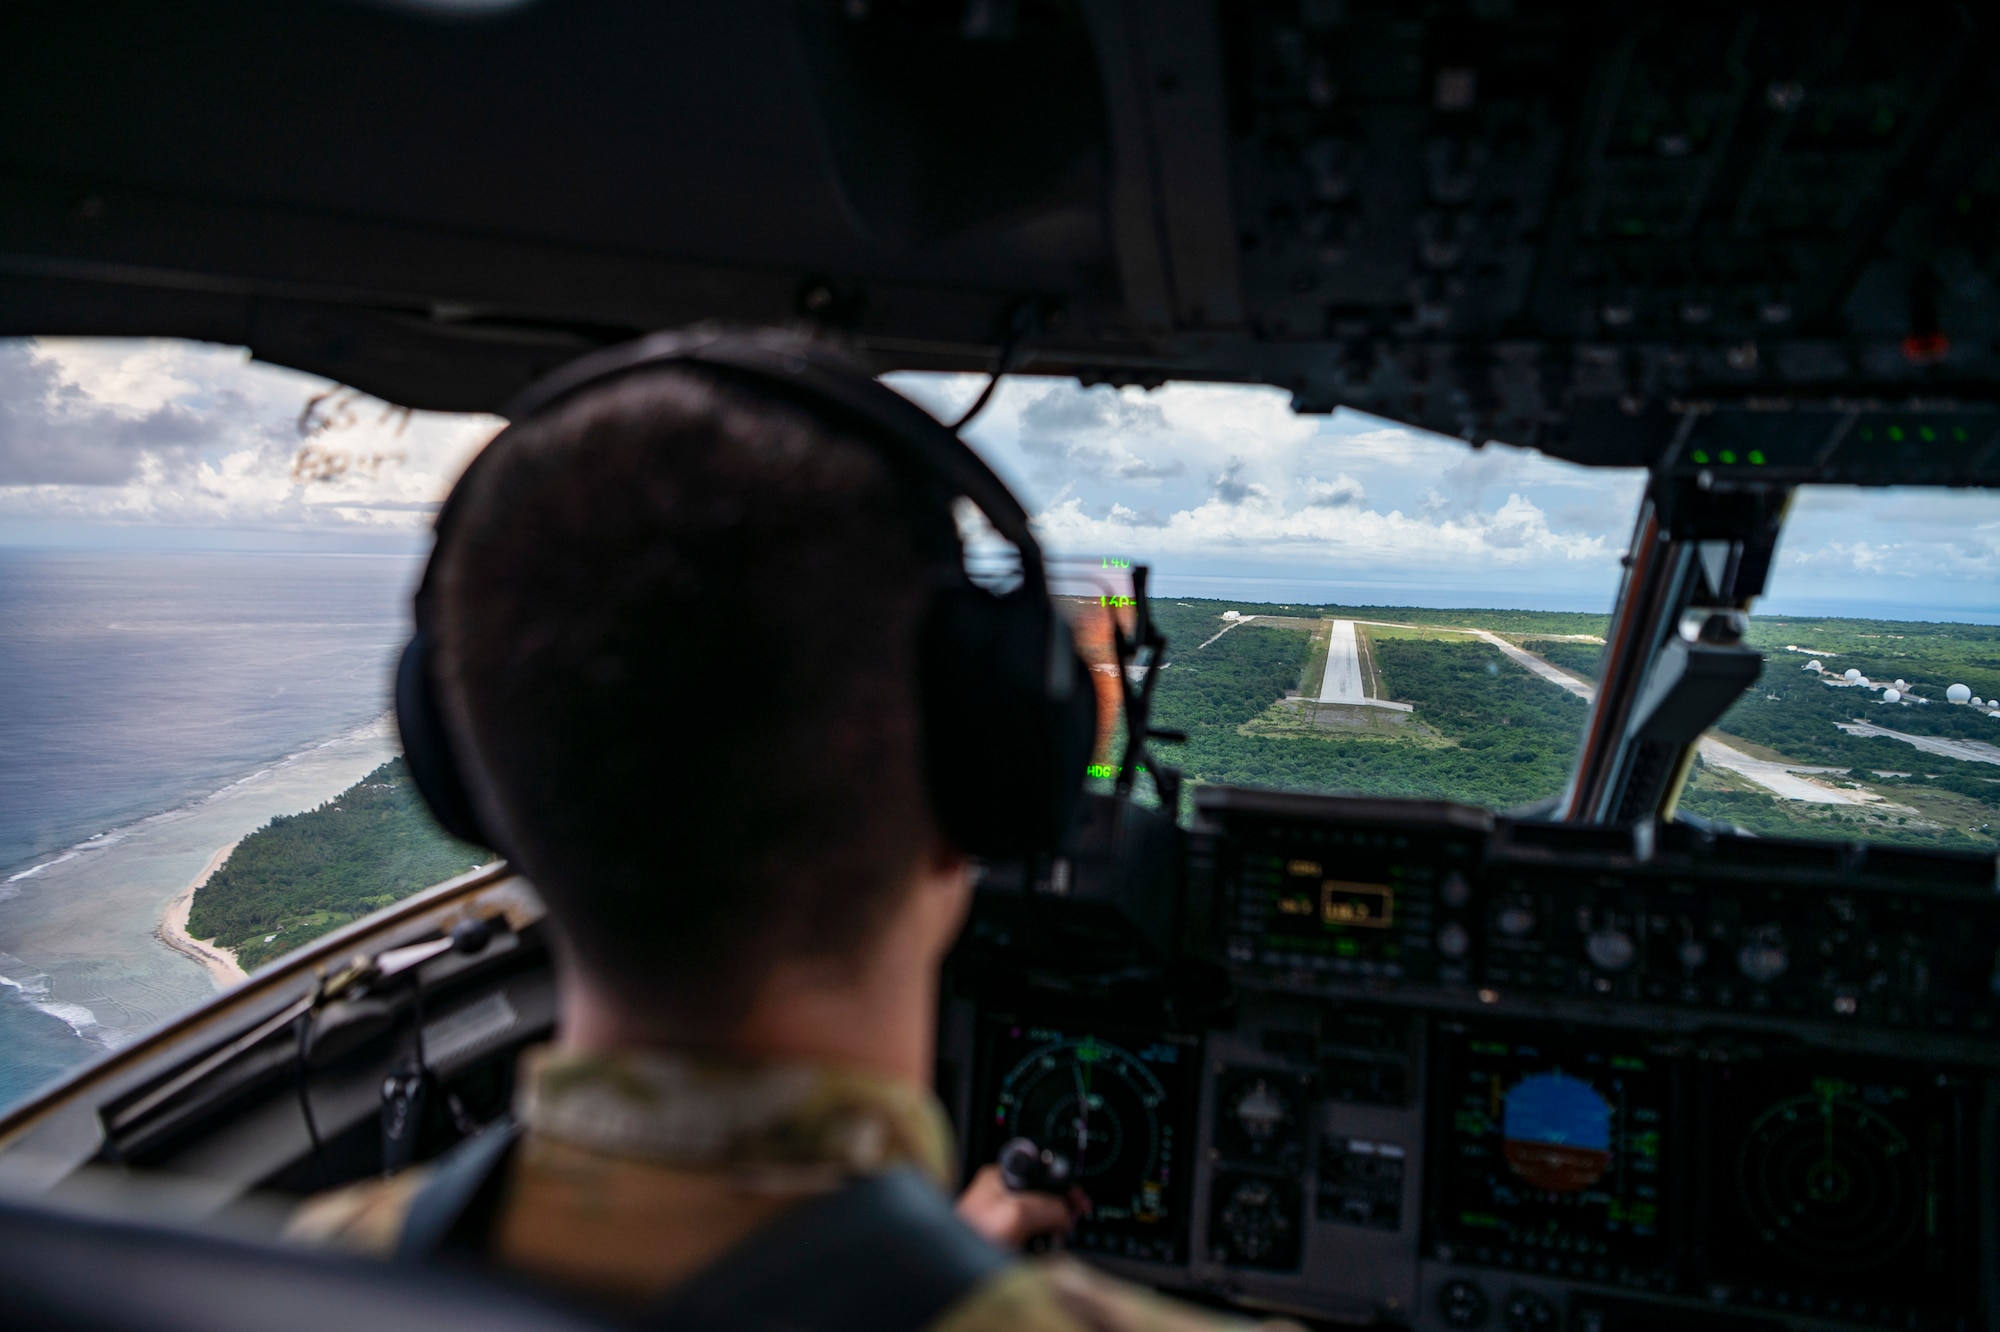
[1877, 714]
[205, 568]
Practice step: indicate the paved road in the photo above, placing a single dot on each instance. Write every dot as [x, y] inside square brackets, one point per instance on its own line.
[1342, 682]
[1220, 632]
[1971, 751]
[1553, 674]
[1540, 667]
[1787, 781]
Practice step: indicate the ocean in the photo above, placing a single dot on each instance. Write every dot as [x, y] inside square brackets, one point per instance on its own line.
[155, 707]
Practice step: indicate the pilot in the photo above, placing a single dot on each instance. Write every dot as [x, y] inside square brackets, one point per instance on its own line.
[676, 643]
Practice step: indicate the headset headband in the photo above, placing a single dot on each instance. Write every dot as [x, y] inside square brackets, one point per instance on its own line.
[915, 444]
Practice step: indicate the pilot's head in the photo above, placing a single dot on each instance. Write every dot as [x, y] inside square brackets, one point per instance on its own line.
[676, 623]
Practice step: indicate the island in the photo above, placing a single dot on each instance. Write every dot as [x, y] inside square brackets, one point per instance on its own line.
[301, 875]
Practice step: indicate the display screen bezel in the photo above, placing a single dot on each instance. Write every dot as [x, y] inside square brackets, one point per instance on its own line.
[996, 1050]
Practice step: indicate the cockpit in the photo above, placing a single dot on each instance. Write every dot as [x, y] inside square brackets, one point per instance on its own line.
[1520, 474]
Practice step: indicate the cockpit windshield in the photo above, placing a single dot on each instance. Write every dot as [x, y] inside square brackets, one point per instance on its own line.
[1350, 606]
[1355, 607]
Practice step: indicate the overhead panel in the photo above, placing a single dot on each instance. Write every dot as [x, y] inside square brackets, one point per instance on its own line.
[1623, 235]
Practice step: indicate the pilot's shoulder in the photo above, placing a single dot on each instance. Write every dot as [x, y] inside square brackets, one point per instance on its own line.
[1062, 1295]
[360, 1218]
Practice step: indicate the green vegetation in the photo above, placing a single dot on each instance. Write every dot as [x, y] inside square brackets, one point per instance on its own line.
[1921, 817]
[1517, 622]
[301, 875]
[1924, 651]
[1583, 660]
[1486, 731]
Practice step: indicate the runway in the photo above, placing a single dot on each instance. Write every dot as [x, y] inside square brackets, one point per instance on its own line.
[1342, 682]
[1966, 751]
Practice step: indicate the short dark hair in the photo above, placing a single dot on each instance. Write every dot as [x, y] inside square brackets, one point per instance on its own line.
[677, 629]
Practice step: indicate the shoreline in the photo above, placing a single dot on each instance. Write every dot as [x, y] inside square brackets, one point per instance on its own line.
[107, 925]
[219, 963]
[382, 723]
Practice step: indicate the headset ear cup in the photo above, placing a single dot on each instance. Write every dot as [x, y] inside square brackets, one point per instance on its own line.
[1009, 721]
[426, 748]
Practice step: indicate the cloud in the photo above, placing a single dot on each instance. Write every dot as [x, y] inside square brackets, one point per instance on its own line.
[1340, 493]
[1085, 433]
[109, 436]
[1136, 518]
[52, 432]
[1517, 534]
[1231, 488]
[1077, 458]
[1205, 478]
[120, 433]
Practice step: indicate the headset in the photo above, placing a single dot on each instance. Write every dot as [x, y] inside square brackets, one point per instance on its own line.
[1008, 712]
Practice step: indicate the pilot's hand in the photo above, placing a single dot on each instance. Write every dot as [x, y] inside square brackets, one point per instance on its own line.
[1011, 1219]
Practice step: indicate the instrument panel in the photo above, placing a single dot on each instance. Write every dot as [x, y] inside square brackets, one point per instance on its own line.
[1413, 1065]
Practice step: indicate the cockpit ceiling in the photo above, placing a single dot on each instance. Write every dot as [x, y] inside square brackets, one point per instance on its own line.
[1760, 237]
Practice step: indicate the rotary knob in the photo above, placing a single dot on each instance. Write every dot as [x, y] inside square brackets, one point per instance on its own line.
[1454, 941]
[1693, 955]
[1455, 892]
[1610, 949]
[1462, 1303]
[1763, 957]
[1516, 921]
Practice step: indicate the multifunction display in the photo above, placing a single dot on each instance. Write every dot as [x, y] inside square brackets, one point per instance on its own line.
[1308, 901]
[1555, 1152]
[1835, 1185]
[1319, 899]
[1115, 1107]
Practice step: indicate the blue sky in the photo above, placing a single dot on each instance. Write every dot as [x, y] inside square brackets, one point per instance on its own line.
[1222, 489]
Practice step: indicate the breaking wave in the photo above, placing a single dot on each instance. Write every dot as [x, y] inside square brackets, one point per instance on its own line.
[32, 988]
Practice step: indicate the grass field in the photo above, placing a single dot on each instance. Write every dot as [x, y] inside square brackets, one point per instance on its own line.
[1487, 731]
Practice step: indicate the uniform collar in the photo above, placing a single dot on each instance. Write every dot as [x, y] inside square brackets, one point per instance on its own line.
[791, 1125]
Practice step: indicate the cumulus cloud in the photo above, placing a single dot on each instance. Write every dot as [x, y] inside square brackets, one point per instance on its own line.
[1233, 481]
[53, 432]
[1915, 538]
[1088, 433]
[1231, 487]
[1340, 493]
[183, 435]
[1200, 479]
[1515, 534]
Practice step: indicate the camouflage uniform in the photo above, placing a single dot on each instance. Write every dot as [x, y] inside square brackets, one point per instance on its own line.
[634, 1172]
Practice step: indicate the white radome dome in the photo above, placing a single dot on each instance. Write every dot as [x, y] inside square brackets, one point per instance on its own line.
[1993, 714]
[1850, 674]
[1814, 666]
[1958, 693]
[1865, 682]
[1902, 683]
[1892, 696]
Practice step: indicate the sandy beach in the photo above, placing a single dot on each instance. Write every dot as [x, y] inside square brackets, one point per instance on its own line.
[220, 963]
[98, 932]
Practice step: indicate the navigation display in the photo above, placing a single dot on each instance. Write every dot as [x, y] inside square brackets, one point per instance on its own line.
[1115, 1106]
[1835, 1180]
[1553, 1155]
